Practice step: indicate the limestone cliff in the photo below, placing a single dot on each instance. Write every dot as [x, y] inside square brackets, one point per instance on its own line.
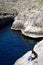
[38, 61]
[30, 22]
[30, 18]
[19, 5]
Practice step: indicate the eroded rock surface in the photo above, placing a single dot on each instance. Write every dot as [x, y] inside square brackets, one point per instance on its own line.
[39, 49]
[38, 61]
[30, 23]
[13, 6]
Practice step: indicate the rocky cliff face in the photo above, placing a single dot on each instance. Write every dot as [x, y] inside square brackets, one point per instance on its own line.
[6, 6]
[39, 50]
[30, 17]
[30, 22]
[19, 5]
[38, 61]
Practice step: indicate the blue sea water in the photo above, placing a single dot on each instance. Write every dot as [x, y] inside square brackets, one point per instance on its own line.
[13, 45]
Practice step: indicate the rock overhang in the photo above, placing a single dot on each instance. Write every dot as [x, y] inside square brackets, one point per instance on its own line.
[30, 23]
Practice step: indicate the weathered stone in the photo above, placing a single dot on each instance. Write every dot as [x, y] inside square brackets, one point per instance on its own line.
[39, 50]
[38, 61]
[19, 5]
[32, 22]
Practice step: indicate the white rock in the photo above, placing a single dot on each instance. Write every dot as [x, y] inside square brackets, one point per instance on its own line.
[39, 50]
[18, 25]
[38, 61]
[24, 60]
[31, 23]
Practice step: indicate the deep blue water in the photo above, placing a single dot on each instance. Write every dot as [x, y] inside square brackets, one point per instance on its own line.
[13, 45]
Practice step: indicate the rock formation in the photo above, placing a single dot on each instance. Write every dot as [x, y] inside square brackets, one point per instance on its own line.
[14, 6]
[39, 49]
[29, 12]
[30, 23]
[38, 61]
[29, 19]
[30, 16]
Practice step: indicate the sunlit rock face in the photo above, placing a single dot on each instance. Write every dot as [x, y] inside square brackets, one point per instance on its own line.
[38, 48]
[24, 60]
[30, 23]
[15, 6]
[18, 25]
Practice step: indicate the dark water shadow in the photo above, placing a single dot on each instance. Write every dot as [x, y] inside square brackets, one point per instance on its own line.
[26, 37]
[13, 45]
[6, 21]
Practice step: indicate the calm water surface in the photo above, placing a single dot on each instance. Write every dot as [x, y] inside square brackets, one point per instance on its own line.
[13, 45]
